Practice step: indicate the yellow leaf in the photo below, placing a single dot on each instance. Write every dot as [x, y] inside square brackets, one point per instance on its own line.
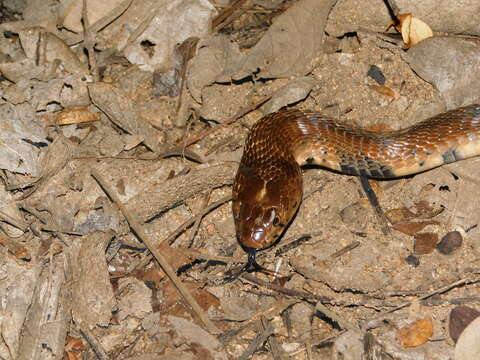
[415, 334]
[413, 30]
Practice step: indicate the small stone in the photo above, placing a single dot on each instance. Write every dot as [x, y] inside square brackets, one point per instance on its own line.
[412, 260]
[376, 74]
[355, 217]
[450, 242]
[460, 318]
[424, 243]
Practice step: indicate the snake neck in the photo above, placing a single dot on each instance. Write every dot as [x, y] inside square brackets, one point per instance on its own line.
[312, 138]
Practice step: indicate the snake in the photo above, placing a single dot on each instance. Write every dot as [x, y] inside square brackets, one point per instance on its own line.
[267, 189]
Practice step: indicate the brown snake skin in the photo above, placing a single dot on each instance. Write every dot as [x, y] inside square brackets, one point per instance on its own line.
[268, 186]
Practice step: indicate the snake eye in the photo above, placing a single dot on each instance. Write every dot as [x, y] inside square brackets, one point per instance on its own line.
[276, 221]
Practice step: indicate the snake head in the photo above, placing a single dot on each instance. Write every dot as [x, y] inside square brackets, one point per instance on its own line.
[263, 209]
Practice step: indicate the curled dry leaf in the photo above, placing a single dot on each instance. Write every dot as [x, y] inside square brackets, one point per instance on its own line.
[416, 333]
[413, 30]
[76, 115]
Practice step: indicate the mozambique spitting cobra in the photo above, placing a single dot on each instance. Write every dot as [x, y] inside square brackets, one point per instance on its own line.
[267, 190]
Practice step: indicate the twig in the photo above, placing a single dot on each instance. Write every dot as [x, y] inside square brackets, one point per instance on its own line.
[308, 350]
[345, 249]
[101, 23]
[256, 343]
[234, 118]
[187, 50]
[285, 291]
[438, 291]
[170, 238]
[197, 222]
[89, 42]
[277, 352]
[306, 296]
[229, 335]
[292, 243]
[162, 261]
[93, 342]
[225, 13]
[173, 151]
[19, 224]
[144, 24]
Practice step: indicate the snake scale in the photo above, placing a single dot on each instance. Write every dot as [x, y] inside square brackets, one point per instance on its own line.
[267, 190]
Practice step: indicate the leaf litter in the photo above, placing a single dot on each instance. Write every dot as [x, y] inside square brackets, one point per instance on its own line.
[155, 104]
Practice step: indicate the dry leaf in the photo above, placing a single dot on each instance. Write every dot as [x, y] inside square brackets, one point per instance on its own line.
[74, 349]
[290, 43]
[119, 108]
[411, 228]
[415, 334]
[384, 90]
[424, 243]
[426, 211]
[76, 115]
[400, 215]
[413, 30]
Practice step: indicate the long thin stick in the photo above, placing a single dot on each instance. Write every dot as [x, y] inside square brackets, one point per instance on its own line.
[162, 261]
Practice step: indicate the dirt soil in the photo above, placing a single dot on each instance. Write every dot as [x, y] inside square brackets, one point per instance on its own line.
[121, 159]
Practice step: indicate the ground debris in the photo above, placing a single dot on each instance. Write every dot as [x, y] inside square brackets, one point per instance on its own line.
[120, 136]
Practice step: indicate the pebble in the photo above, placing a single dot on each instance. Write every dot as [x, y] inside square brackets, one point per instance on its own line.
[412, 260]
[450, 242]
[460, 317]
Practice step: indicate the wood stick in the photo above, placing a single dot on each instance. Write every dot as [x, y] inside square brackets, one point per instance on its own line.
[162, 261]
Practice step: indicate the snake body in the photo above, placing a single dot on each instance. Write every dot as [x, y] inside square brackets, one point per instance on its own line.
[267, 189]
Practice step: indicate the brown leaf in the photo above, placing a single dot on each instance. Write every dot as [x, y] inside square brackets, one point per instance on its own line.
[384, 90]
[425, 243]
[411, 228]
[416, 333]
[400, 215]
[74, 349]
[175, 306]
[426, 211]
